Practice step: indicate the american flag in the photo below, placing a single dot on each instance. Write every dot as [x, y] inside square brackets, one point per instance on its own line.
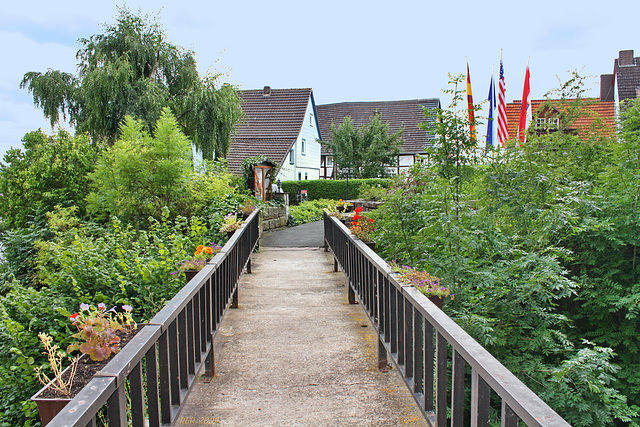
[503, 131]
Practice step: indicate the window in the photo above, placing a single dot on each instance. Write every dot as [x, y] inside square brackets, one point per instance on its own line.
[292, 159]
[303, 147]
[299, 176]
[306, 176]
[311, 120]
[550, 123]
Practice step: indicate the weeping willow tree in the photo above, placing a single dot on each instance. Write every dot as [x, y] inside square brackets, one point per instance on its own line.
[131, 69]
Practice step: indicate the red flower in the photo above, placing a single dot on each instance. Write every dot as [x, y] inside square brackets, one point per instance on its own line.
[74, 316]
[358, 209]
[356, 217]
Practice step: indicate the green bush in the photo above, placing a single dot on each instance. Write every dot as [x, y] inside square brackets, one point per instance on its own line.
[332, 189]
[309, 211]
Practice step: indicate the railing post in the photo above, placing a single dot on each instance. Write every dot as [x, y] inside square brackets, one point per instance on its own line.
[249, 265]
[352, 294]
[234, 300]
[383, 364]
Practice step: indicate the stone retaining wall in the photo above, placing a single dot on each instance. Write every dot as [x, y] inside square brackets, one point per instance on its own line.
[274, 217]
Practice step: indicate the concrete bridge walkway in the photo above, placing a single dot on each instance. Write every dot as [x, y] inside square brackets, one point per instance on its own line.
[295, 353]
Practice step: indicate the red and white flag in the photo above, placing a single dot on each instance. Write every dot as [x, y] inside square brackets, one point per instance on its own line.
[525, 109]
[503, 130]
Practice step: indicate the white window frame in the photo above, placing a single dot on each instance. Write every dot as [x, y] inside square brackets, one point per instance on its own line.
[303, 147]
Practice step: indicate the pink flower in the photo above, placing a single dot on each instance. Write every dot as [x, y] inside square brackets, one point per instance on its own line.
[84, 306]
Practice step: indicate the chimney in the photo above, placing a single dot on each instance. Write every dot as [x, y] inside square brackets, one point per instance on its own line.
[626, 58]
[266, 92]
[606, 87]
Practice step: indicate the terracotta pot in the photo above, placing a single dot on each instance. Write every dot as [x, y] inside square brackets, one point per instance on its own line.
[48, 408]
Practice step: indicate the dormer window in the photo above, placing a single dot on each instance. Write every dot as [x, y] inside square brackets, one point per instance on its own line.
[303, 147]
[311, 120]
[548, 123]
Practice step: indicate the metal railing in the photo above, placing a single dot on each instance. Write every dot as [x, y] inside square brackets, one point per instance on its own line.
[150, 378]
[429, 349]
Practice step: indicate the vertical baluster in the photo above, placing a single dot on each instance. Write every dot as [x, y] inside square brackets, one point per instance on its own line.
[418, 351]
[190, 342]
[457, 390]
[401, 328]
[441, 380]
[509, 418]
[137, 395]
[182, 349]
[174, 363]
[197, 319]
[408, 340]
[166, 377]
[429, 369]
[480, 401]
[153, 400]
[117, 407]
[393, 320]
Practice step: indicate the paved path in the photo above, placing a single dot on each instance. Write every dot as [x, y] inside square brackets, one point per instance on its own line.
[295, 353]
[310, 235]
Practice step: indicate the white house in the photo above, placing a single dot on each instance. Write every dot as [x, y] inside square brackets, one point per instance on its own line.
[282, 125]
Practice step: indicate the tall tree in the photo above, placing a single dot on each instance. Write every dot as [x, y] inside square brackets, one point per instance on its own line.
[367, 150]
[132, 70]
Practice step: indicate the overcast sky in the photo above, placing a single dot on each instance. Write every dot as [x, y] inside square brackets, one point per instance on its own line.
[344, 50]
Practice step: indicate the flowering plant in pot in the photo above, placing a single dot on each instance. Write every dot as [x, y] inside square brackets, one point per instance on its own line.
[230, 224]
[247, 208]
[343, 206]
[426, 283]
[362, 227]
[101, 333]
[200, 257]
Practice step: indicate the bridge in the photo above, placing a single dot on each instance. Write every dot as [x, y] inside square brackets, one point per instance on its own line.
[320, 334]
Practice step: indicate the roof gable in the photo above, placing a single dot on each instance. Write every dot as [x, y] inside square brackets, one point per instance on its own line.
[593, 109]
[272, 122]
[397, 115]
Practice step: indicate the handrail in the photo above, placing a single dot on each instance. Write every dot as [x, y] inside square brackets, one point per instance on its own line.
[417, 335]
[170, 350]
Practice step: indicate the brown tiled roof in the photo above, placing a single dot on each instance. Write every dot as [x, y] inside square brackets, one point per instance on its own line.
[270, 126]
[404, 115]
[594, 108]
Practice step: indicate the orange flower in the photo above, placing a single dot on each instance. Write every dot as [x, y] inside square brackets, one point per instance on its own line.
[208, 250]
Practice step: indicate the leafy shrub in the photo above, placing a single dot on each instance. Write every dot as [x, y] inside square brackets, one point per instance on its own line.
[308, 211]
[332, 189]
[49, 171]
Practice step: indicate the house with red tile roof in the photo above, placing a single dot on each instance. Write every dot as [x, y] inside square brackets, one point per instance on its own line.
[594, 116]
[405, 115]
[282, 125]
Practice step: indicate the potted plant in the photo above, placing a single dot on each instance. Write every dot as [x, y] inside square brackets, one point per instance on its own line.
[343, 206]
[426, 283]
[101, 333]
[201, 256]
[362, 228]
[247, 208]
[230, 224]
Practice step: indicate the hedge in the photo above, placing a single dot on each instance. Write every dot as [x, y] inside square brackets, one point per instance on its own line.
[331, 189]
